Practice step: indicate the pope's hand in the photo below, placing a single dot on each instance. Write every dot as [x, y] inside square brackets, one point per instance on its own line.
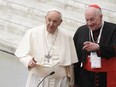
[32, 63]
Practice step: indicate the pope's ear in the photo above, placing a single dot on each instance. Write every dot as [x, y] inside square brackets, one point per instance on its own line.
[60, 22]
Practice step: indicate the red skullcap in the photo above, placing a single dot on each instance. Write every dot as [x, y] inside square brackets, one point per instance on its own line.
[95, 6]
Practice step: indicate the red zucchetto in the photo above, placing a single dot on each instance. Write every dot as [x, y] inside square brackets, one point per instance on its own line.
[95, 6]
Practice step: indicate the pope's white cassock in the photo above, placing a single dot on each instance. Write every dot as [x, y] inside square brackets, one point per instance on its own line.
[38, 43]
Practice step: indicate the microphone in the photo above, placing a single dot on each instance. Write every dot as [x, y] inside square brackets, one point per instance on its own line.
[52, 73]
[45, 77]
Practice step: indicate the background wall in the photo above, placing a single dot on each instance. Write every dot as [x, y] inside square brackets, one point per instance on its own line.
[17, 16]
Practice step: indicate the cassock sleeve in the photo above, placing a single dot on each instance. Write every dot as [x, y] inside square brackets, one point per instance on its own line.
[23, 52]
[109, 50]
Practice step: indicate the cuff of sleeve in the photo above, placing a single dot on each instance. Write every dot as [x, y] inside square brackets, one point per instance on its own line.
[25, 60]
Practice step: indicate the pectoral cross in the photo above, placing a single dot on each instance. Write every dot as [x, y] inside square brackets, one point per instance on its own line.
[48, 56]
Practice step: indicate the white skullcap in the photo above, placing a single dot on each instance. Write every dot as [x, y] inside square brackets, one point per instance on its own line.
[54, 9]
[57, 10]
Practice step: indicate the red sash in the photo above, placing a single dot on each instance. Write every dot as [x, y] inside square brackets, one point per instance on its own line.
[107, 65]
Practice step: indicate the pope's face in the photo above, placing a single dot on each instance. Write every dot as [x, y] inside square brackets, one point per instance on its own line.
[53, 20]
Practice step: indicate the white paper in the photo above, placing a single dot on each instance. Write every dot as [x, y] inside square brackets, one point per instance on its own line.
[95, 60]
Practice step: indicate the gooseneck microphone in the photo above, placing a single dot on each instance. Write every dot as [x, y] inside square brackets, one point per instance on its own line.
[45, 77]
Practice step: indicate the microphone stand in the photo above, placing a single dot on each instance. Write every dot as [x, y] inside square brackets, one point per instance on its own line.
[45, 77]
